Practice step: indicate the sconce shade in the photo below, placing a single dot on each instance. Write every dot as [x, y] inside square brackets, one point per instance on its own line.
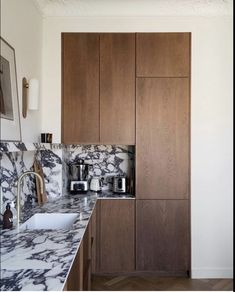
[33, 94]
[30, 95]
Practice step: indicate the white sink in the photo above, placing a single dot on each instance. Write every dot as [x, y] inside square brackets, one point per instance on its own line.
[49, 221]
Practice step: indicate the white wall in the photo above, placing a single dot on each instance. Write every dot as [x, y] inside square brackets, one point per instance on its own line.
[211, 121]
[21, 27]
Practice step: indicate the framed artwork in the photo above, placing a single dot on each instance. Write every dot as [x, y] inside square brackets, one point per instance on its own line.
[9, 102]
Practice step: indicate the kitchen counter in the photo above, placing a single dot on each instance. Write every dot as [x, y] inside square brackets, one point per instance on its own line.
[41, 259]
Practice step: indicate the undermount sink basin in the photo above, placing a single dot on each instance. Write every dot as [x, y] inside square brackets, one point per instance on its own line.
[49, 221]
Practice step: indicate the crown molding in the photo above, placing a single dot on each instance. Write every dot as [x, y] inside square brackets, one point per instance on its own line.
[83, 8]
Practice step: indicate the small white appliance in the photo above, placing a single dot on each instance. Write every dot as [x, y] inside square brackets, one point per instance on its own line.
[95, 184]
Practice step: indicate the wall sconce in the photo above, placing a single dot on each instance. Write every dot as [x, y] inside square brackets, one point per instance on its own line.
[30, 94]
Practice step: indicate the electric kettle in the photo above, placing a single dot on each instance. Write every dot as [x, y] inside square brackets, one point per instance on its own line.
[95, 184]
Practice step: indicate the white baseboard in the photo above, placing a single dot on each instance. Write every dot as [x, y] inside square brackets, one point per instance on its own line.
[208, 273]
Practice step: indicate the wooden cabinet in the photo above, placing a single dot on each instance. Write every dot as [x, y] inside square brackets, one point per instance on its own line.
[162, 239]
[162, 138]
[117, 88]
[75, 278]
[95, 238]
[80, 88]
[162, 152]
[87, 257]
[98, 88]
[163, 54]
[125, 88]
[116, 236]
[79, 278]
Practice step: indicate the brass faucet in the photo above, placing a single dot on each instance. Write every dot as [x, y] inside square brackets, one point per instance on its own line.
[18, 191]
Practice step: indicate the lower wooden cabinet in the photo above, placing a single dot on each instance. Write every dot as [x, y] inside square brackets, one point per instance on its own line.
[87, 259]
[162, 238]
[75, 278]
[79, 278]
[126, 236]
[116, 236]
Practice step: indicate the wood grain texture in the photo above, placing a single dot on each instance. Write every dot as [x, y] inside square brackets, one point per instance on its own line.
[117, 236]
[163, 54]
[162, 137]
[75, 278]
[162, 235]
[87, 259]
[155, 283]
[117, 88]
[80, 88]
[94, 238]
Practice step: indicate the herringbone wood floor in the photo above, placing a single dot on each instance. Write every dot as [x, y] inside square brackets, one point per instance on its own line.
[151, 283]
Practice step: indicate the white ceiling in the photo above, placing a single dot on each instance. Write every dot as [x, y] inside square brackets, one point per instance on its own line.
[74, 8]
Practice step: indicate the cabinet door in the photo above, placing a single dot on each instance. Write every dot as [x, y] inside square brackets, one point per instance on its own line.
[87, 259]
[117, 235]
[163, 54]
[75, 278]
[117, 88]
[162, 239]
[162, 136]
[80, 79]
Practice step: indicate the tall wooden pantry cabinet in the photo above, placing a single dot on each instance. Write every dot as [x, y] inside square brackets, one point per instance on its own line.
[162, 152]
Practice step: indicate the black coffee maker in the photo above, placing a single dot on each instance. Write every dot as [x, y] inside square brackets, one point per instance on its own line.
[78, 177]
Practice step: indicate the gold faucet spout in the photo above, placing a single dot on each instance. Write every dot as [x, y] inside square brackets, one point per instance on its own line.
[19, 189]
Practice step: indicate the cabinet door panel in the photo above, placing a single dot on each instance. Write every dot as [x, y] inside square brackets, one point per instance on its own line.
[163, 54]
[80, 104]
[117, 252]
[162, 135]
[117, 88]
[162, 239]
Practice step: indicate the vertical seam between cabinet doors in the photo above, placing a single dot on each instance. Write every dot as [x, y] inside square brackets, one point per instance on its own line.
[135, 164]
[99, 88]
[135, 91]
[189, 166]
[136, 146]
[62, 89]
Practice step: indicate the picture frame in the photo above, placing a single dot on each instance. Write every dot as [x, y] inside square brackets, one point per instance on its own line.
[9, 100]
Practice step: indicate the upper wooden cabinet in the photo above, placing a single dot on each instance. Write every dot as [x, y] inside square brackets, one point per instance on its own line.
[80, 88]
[98, 88]
[117, 88]
[162, 138]
[163, 54]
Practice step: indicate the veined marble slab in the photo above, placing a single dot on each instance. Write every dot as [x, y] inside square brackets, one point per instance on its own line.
[40, 260]
[27, 146]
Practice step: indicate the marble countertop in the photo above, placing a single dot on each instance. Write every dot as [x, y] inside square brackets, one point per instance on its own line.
[40, 260]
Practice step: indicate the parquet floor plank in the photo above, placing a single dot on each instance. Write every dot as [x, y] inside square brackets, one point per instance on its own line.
[151, 283]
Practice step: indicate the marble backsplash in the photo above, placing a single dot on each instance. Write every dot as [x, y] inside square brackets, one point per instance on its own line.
[13, 164]
[106, 161]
